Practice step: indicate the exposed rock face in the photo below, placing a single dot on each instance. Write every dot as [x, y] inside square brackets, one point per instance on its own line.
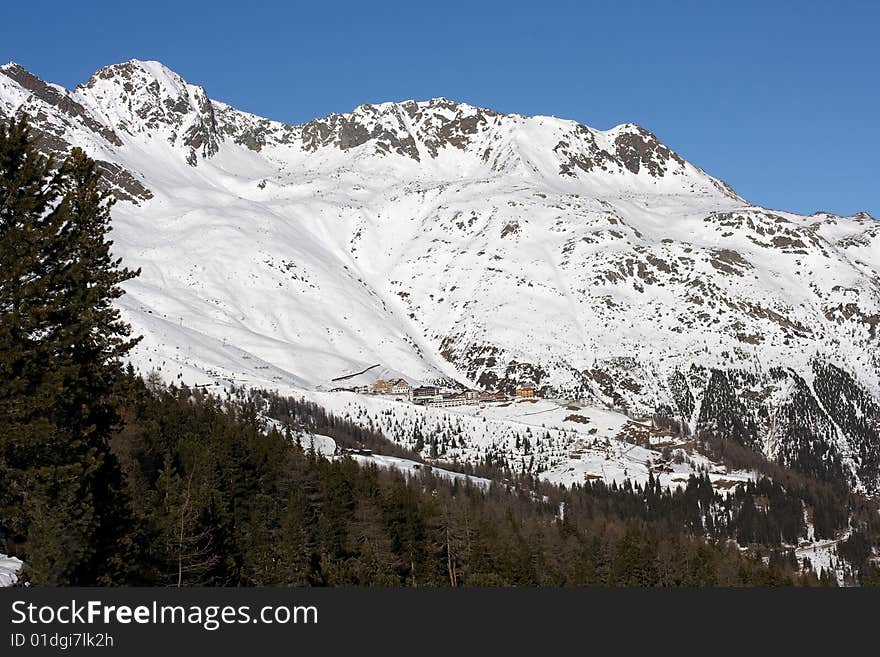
[121, 183]
[584, 153]
[252, 132]
[58, 99]
[385, 129]
[635, 148]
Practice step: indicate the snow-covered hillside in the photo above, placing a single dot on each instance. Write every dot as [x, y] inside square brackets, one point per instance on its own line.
[437, 240]
[563, 443]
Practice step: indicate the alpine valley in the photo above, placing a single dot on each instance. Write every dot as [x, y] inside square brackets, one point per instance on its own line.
[444, 243]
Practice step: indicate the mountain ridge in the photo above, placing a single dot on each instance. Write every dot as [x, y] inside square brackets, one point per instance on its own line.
[447, 241]
[439, 122]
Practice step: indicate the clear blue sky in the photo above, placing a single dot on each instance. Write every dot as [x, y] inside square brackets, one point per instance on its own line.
[780, 99]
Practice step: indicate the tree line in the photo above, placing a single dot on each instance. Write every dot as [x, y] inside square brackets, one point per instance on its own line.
[218, 498]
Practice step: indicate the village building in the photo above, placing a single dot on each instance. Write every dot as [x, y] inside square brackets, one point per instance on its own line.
[381, 386]
[402, 388]
[525, 391]
[446, 401]
[399, 387]
[425, 394]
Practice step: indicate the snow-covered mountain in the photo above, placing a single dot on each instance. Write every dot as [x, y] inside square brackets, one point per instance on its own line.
[444, 241]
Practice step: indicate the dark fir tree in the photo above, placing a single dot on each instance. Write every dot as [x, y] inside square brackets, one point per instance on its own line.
[60, 347]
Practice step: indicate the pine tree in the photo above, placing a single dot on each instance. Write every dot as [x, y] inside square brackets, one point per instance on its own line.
[61, 342]
[185, 544]
[31, 216]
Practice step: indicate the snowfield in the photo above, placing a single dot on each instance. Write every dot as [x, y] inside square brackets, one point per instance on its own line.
[414, 469]
[326, 447]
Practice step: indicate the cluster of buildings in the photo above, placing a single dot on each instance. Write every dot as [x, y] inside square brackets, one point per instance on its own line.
[433, 396]
[438, 396]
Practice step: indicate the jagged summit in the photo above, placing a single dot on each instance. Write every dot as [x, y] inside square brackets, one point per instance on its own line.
[145, 101]
[147, 98]
[155, 67]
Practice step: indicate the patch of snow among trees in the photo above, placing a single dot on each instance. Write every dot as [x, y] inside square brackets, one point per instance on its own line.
[9, 569]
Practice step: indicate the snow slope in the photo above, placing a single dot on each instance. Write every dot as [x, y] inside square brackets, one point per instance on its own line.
[443, 241]
[561, 442]
[326, 446]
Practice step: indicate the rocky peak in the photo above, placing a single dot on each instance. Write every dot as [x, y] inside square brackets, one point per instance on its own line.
[384, 125]
[58, 98]
[442, 122]
[638, 149]
[504, 142]
[146, 99]
[401, 127]
[415, 130]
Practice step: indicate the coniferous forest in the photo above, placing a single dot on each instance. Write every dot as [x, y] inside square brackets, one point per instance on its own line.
[108, 479]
